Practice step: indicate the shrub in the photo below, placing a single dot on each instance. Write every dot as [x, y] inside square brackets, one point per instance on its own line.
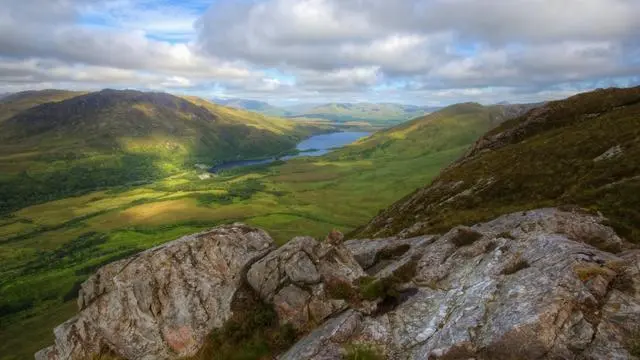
[363, 352]
[252, 333]
[587, 271]
[341, 290]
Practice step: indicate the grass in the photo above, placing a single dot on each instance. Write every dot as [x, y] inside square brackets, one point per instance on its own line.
[363, 352]
[549, 163]
[306, 196]
[252, 333]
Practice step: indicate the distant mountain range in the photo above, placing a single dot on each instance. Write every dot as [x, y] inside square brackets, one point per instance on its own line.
[376, 114]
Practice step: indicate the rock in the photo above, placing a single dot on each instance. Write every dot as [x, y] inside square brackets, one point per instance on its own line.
[294, 277]
[161, 303]
[530, 286]
[373, 251]
[325, 343]
[540, 284]
[335, 237]
[613, 152]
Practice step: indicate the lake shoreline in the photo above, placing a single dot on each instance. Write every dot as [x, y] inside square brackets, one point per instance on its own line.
[316, 145]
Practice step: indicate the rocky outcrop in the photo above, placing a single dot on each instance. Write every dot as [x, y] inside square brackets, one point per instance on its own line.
[541, 284]
[524, 286]
[161, 303]
[295, 278]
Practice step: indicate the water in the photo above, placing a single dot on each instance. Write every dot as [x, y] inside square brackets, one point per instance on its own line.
[314, 146]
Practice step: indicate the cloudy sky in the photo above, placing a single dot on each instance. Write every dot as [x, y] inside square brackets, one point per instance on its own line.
[428, 52]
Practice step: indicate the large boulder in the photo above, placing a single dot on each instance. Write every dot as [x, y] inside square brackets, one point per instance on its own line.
[532, 285]
[296, 278]
[161, 303]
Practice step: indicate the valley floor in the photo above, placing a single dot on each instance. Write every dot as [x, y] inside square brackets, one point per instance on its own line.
[47, 250]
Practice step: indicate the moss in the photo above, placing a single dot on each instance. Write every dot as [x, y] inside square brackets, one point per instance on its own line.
[341, 290]
[363, 352]
[372, 288]
[586, 272]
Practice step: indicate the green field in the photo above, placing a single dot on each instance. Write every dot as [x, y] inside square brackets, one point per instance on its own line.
[48, 249]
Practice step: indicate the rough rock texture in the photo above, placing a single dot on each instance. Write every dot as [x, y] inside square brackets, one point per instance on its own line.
[161, 303]
[530, 286]
[294, 279]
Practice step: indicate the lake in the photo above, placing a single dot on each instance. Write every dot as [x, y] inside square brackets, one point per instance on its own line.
[314, 146]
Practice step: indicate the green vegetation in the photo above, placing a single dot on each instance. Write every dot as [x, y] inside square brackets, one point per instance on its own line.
[124, 137]
[550, 157]
[363, 352]
[302, 196]
[15, 103]
[350, 114]
[252, 333]
[375, 114]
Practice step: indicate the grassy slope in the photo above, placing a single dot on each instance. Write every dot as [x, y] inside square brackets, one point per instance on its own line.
[377, 114]
[48, 248]
[15, 103]
[545, 158]
[113, 137]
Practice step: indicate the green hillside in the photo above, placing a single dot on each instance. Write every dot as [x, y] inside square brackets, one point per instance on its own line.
[111, 137]
[253, 105]
[46, 250]
[12, 104]
[452, 127]
[375, 114]
[583, 151]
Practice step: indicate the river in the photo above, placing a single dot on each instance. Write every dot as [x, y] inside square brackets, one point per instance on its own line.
[314, 146]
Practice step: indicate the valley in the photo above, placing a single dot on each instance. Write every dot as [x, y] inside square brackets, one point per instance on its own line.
[48, 249]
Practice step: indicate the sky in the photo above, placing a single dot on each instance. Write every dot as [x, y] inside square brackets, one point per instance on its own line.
[424, 52]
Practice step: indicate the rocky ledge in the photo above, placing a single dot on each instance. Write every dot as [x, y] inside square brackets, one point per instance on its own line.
[541, 284]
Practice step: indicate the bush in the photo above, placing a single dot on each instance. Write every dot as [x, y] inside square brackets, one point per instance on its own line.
[363, 352]
[252, 333]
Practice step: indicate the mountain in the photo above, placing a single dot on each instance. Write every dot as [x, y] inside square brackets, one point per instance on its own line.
[454, 127]
[376, 114]
[115, 137]
[11, 104]
[582, 151]
[547, 267]
[252, 105]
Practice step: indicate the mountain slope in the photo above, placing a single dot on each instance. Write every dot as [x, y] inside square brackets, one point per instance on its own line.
[253, 105]
[456, 126]
[11, 104]
[377, 114]
[115, 137]
[583, 151]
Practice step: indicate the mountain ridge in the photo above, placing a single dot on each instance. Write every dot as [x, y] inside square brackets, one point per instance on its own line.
[557, 154]
[113, 137]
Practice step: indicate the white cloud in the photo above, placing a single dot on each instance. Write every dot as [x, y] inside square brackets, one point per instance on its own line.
[451, 50]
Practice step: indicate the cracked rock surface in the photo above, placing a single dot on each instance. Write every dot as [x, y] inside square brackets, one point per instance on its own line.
[529, 286]
[163, 302]
[540, 284]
